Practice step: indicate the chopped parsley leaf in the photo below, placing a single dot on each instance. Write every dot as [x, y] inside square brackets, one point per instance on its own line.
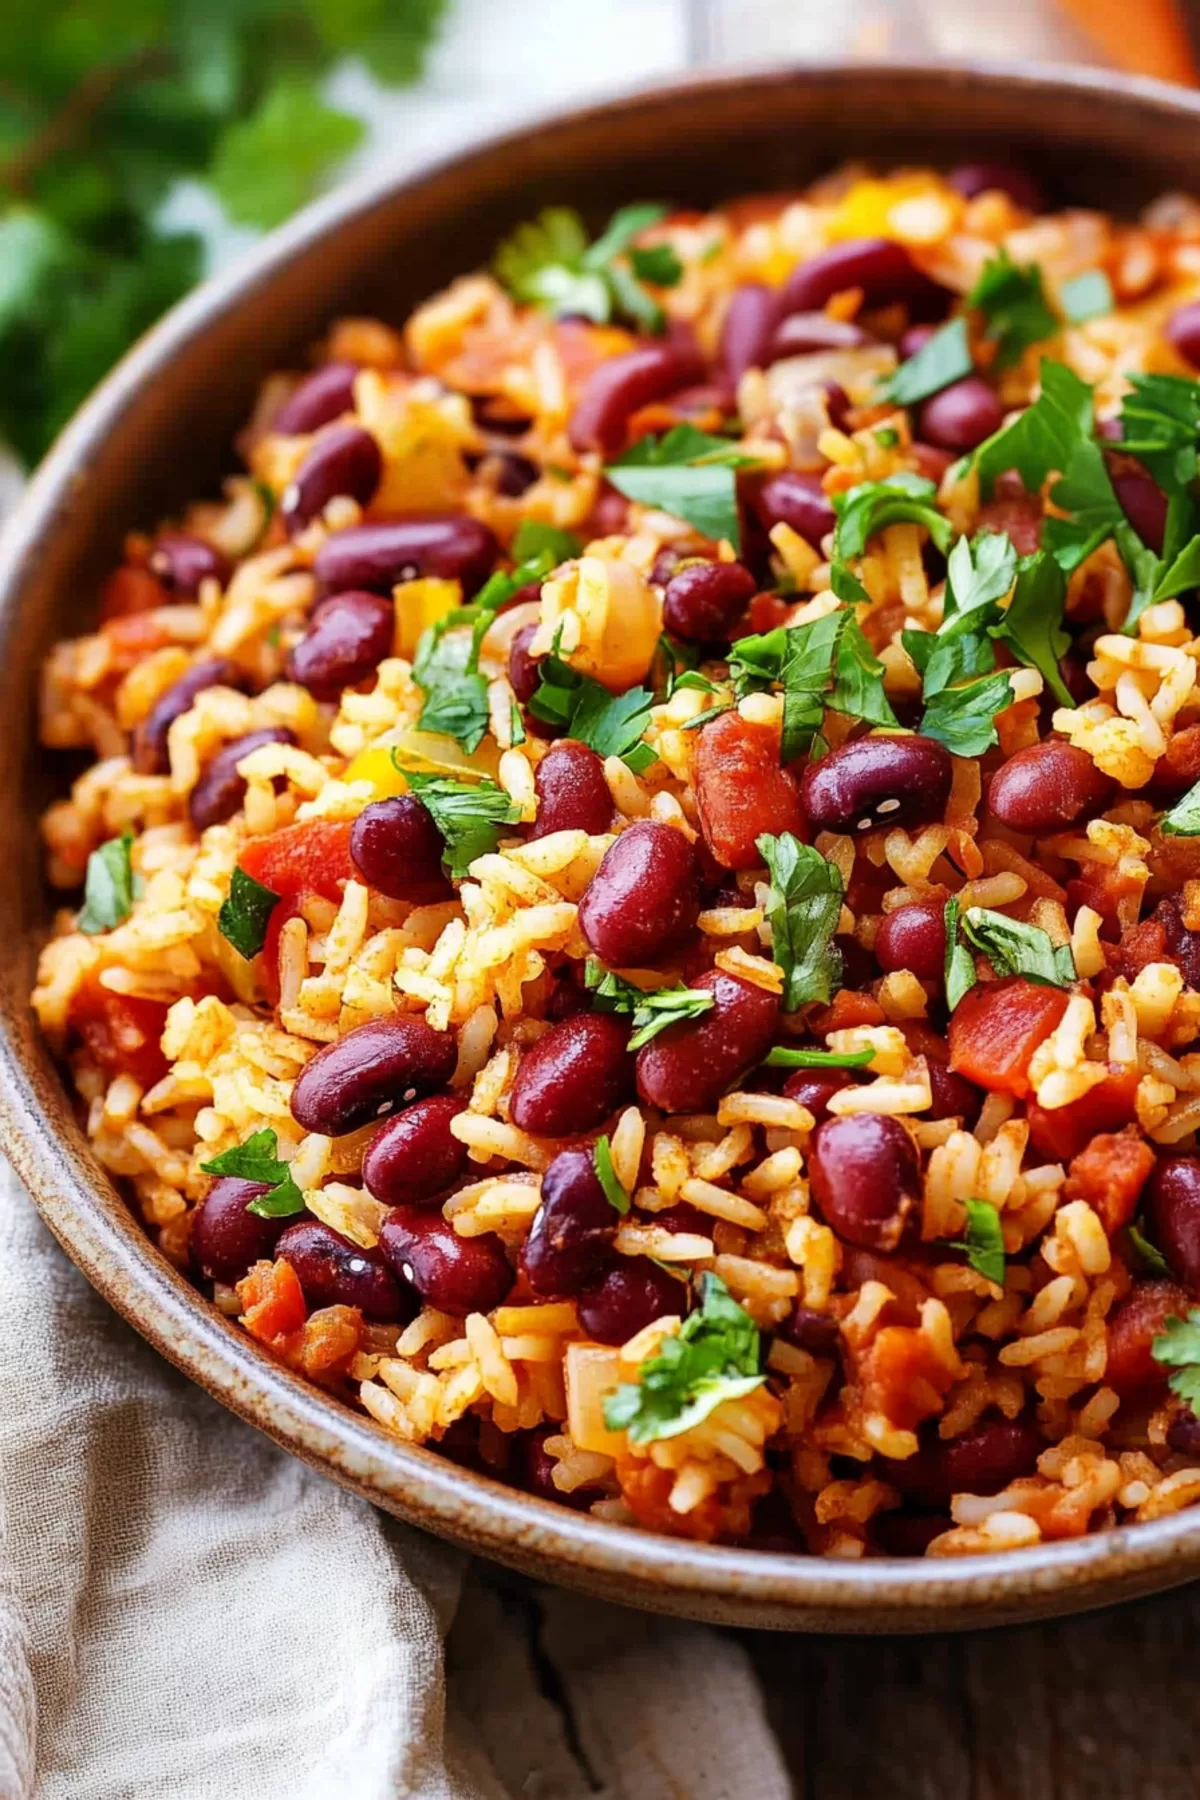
[1149, 1255]
[715, 1356]
[516, 727]
[469, 815]
[1160, 425]
[651, 1009]
[1088, 296]
[984, 1242]
[246, 914]
[610, 724]
[1014, 307]
[549, 262]
[688, 473]
[1183, 820]
[977, 575]
[803, 909]
[1178, 1348]
[533, 538]
[1014, 948]
[1031, 624]
[783, 1056]
[944, 359]
[258, 1160]
[826, 663]
[961, 687]
[887, 437]
[865, 510]
[606, 1175]
[1040, 440]
[960, 964]
[108, 890]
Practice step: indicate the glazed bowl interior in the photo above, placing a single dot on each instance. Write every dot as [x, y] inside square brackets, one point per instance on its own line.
[158, 433]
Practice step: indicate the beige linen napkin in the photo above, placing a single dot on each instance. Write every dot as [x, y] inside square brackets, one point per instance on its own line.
[186, 1613]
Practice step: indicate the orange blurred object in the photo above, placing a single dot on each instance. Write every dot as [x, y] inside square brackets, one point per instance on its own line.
[1150, 38]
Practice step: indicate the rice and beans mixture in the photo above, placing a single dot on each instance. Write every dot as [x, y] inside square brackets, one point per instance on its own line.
[639, 914]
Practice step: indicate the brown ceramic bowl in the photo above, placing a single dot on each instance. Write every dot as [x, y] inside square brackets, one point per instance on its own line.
[157, 432]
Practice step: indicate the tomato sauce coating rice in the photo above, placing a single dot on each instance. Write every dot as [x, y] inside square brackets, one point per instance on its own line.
[639, 915]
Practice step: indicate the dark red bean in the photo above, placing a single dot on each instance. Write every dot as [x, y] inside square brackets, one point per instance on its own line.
[796, 499]
[815, 1088]
[914, 339]
[182, 561]
[931, 462]
[367, 1074]
[416, 1156]
[523, 670]
[345, 461]
[880, 267]
[220, 789]
[687, 1067]
[377, 556]
[319, 399]
[961, 415]
[816, 1332]
[705, 600]
[909, 1533]
[623, 384]
[334, 1272]
[1132, 1328]
[225, 1238]
[866, 1178]
[644, 897]
[952, 1095]
[878, 780]
[914, 938]
[1006, 178]
[570, 1243]
[981, 1461]
[1183, 1435]
[150, 739]
[1183, 330]
[517, 475]
[804, 332]
[631, 1296]
[749, 324]
[1173, 1215]
[573, 1076]
[398, 850]
[837, 404]
[572, 792]
[686, 1218]
[1144, 505]
[1048, 787]
[347, 638]
[535, 1470]
[458, 1275]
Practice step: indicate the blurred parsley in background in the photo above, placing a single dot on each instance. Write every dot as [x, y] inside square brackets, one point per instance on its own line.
[104, 106]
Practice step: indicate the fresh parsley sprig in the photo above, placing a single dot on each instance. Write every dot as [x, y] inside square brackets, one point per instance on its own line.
[650, 1009]
[960, 964]
[688, 473]
[784, 1056]
[469, 814]
[108, 890]
[961, 688]
[1013, 304]
[826, 663]
[984, 1241]
[580, 708]
[803, 910]
[904, 498]
[258, 1160]
[246, 914]
[549, 262]
[1183, 820]
[606, 1175]
[1178, 1348]
[944, 359]
[1014, 948]
[715, 1356]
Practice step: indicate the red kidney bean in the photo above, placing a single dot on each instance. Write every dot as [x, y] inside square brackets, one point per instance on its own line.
[150, 738]
[705, 600]
[1183, 330]
[570, 1243]
[866, 1177]
[1173, 1214]
[225, 1238]
[1014, 511]
[346, 461]
[837, 404]
[1183, 1435]
[749, 323]
[931, 462]
[348, 637]
[371, 1071]
[953, 1096]
[886, 780]
[535, 1470]
[220, 789]
[182, 561]
[796, 499]
[1144, 505]
[416, 1156]
[981, 1461]
[1140, 1318]
[572, 792]
[377, 556]
[398, 850]
[687, 1067]
[573, 1076]
[686, 1218]
[815, 1088]
[815, 1332]
[458, 1275]
[1048, 787]
[334, 1272]
[319, 399]
[909, 1534]
[517, 474]
[914, 339]
[971, 179]
[523, 670]
[960, 416]
[804, 332]
[623, 384]
[880, 267]
[631, 1296]
[914, 938]
[1180, 944]
[644, 897]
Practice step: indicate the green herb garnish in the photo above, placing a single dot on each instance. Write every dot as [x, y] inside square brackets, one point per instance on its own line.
[826, 663]
[1178, 1348]
[258, 1160]
[903, 498]
[606, 1175]
[446, 665]
[1014, 948]
[944, 359]
[715, 1357]
[1183, 820]
[108, 886]
[688, 473]
[1149, 1255]
[469, 814]
[984, 1242]
[1014, 307]
[651, 1009]
[960, 964]
[246, 914]
[783, 1056]
[1087, 297]
[580, 708]
[803, 909]
[549, 262]
[534, 539]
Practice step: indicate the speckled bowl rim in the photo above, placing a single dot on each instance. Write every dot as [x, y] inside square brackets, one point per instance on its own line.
[97, 1230]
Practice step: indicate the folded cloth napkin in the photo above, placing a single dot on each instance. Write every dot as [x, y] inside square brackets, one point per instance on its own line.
[187, 1613]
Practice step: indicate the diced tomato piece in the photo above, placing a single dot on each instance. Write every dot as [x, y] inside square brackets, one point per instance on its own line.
[846, 1009]
[130, 590]
[1178, 768]
[1064, 1132]
[741, 790]
[313, 858]
[766, 611]
[1016, 512]
[121, 1031]
[997, 1026]
[325, 1342]
[272, 1301]
[132, 637]
[646, 1490]
[1103, 886]
[1110, 1174]
[903, 1377]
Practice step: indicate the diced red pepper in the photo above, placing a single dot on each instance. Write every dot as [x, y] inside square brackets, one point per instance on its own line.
[130, 590]
[131, 637]
[272, 1301]
[741, 790]
[903, 1377]
[1132, 1329]
[313, 858]
[1067, 1130]
[846, 1010]
[766, 611]
[997, 1026]
[121, 1031]
[1110, 1175]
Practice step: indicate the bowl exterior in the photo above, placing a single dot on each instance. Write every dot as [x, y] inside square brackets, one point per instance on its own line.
[154, 435]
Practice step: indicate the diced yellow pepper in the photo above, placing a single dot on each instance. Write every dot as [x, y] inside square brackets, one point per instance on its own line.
[914, 208]
[377, 766]
[420, 604]
[424, 752]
